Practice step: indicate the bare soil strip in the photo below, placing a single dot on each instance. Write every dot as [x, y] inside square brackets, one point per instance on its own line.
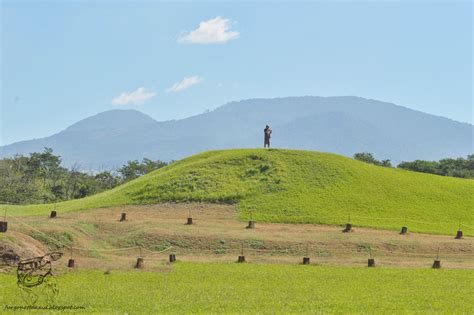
[100, 240]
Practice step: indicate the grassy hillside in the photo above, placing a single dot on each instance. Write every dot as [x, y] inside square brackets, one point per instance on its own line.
[298, 186]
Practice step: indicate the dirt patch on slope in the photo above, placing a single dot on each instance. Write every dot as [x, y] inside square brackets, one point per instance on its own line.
[19, 246]
[100, 240]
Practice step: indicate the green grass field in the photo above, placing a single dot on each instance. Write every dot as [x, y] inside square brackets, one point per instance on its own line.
[248, 288]
[298, 187]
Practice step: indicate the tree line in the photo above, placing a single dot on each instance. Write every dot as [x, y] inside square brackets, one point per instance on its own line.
[40, 178]
[460, 167]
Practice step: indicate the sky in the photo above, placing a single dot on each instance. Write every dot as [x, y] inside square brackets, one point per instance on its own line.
[65, 61]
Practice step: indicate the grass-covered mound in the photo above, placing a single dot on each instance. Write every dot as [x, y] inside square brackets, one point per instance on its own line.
[299, 186]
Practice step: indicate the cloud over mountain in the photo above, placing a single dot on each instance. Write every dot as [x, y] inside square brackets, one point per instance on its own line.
[184, 84]
[138, 96]
[213, 31]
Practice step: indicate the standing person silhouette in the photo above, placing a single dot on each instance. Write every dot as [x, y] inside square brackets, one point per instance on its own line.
[267, 133]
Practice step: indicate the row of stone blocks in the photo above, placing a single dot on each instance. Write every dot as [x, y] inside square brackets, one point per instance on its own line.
[241, 259]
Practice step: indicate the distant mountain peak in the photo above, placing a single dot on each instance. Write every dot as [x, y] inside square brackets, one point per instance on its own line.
[342, 124]
[113, 119]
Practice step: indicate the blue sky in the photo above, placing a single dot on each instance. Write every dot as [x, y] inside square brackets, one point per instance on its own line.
[61, 62]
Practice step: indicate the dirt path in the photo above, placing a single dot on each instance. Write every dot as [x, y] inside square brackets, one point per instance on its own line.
[217, 235]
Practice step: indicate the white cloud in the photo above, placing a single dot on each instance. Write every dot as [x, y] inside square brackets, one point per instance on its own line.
[213, 31]
[138, 96]
[185, 84]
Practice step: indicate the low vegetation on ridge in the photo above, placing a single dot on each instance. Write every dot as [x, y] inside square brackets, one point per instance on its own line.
[41, 178]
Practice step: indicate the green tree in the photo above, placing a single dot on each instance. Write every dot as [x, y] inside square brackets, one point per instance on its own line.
[460, 167]
[135, 169]
[107, 180]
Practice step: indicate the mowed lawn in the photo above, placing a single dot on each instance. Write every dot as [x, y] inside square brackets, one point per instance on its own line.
[249, 288]
[291, 186]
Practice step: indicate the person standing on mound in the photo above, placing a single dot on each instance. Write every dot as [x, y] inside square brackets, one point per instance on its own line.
[267, 133]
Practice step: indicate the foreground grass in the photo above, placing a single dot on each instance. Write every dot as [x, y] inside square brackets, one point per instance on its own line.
[298, 187]
[217, 288]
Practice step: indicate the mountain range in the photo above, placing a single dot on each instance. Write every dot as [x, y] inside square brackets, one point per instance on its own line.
[343, 125]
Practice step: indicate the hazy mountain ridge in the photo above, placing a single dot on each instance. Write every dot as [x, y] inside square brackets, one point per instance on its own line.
[343, 125]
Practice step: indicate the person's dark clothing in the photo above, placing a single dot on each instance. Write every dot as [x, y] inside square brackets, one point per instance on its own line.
[267, 133]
